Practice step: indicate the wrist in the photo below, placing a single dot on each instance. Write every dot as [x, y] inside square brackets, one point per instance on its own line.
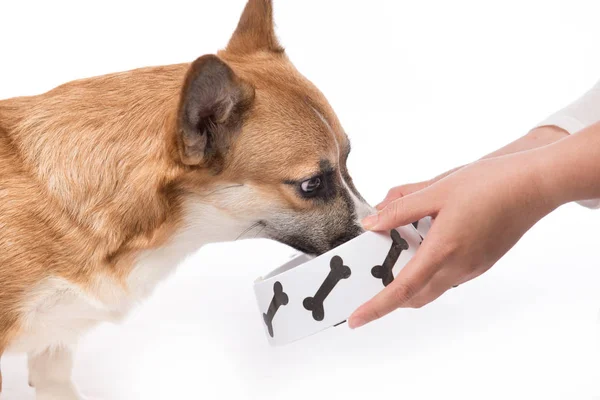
[545, 179]
[530, 186]
[568, 170]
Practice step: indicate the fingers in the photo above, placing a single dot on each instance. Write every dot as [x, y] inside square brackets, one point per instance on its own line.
[410, 281]
[401, 191]
[402, 211]
[437, 286]
[405, 190]
[428, 294]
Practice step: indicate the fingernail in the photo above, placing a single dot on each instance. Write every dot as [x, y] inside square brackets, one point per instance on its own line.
[356, 323]
[380, 206]
[370, 221]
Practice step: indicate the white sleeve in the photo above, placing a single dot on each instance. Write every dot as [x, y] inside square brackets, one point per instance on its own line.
[576, 116]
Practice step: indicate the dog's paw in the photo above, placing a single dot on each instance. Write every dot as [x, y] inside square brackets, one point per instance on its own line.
[58, 392]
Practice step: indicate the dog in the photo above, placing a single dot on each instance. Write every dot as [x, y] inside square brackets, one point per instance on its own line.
[107, 183]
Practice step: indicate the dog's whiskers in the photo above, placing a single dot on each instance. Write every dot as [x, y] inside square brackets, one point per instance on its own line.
[261, 230]
[254, 225]
[250, 228]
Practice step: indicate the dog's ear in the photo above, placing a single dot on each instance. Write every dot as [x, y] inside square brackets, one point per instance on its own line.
[211, 111]
[256, 30]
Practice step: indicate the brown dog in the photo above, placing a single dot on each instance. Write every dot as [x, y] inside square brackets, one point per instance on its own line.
[106, 184]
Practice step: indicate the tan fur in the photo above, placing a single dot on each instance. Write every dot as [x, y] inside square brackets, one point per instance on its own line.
[90, 172]
[94, 187]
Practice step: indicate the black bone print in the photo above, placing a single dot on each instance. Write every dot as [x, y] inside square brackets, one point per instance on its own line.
[416, 225]
[384, 272]
[338, 272]
[280, 298]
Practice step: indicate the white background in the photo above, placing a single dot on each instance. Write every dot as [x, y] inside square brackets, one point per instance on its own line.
[420, 86]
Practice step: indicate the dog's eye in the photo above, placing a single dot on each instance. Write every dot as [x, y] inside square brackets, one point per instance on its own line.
[311, 185]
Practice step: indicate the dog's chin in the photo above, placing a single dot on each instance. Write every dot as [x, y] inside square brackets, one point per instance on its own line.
[303, 246]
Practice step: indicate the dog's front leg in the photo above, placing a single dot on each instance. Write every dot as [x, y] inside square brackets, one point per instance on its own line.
[50, 374]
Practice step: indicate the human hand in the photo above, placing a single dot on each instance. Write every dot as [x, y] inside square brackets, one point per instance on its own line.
[480, 211]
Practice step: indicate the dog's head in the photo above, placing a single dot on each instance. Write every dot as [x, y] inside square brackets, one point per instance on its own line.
[265, 144]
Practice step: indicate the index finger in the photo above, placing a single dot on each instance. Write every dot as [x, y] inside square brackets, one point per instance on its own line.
[411, 280]
[401, 191]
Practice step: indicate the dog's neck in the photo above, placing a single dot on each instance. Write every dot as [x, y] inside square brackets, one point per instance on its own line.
[111, 169]
[201, 224]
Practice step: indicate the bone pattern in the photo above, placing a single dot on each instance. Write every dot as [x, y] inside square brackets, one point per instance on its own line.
[416, 225]
[385, 271]
[338, 272]
[280, 298]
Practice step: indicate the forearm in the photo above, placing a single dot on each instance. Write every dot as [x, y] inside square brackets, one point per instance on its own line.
[561, 161]
[537, 137]
[569, 170]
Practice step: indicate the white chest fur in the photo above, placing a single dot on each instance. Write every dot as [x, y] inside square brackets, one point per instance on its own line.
[58, 311]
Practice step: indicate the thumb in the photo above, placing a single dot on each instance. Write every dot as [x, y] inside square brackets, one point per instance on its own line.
[402, 211]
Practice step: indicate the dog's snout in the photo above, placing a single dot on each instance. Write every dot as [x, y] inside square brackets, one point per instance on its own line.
[340, 241]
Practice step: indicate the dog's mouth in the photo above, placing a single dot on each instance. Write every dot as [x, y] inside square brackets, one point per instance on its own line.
[300, 243]
[305, 246]
[302, 246]
[346, 237]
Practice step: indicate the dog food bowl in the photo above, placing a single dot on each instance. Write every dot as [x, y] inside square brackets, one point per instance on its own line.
[307, 295]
